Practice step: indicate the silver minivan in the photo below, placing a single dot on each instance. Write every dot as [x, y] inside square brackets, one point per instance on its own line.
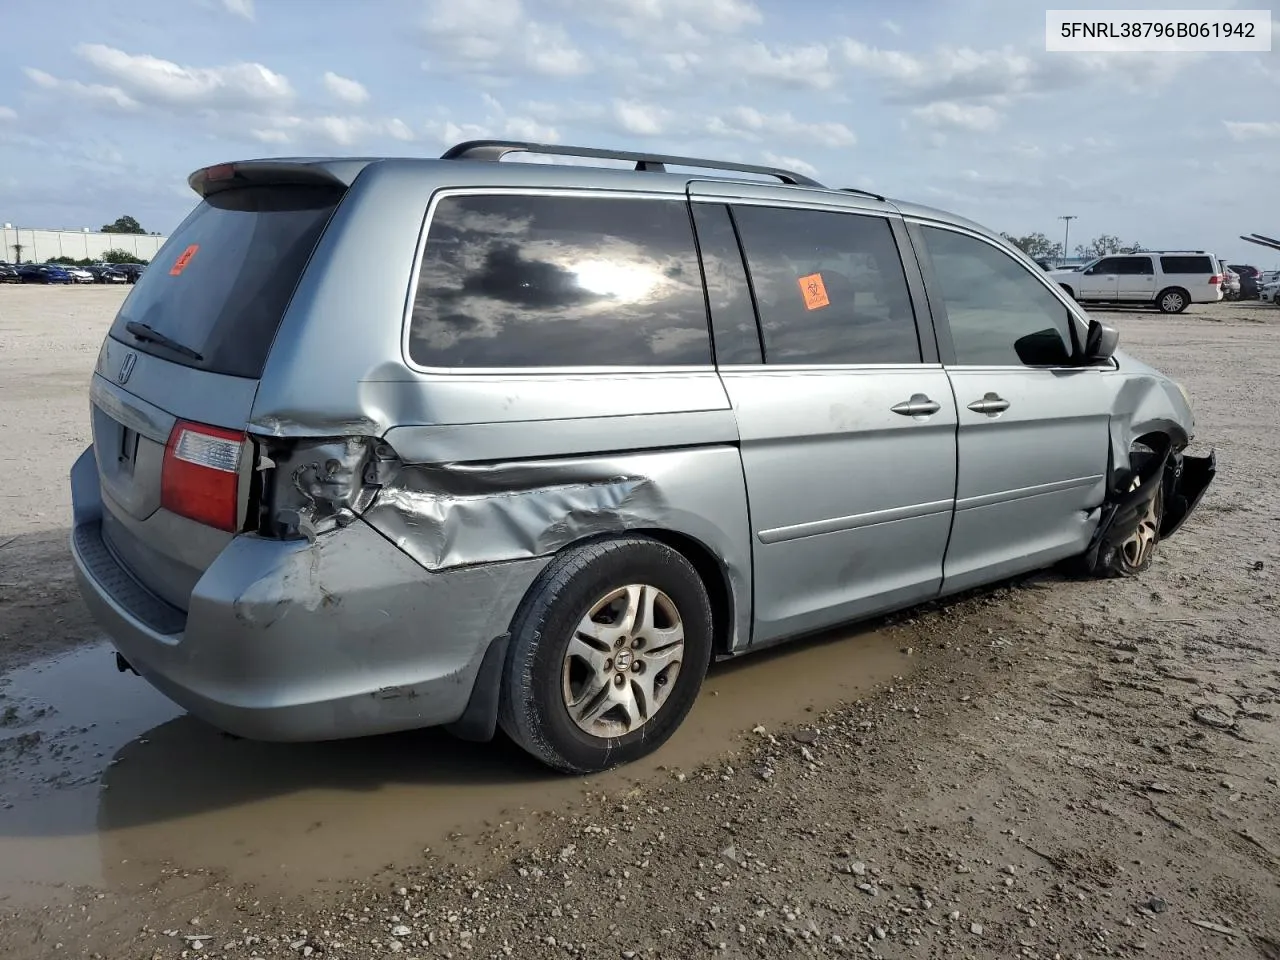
[393, 443]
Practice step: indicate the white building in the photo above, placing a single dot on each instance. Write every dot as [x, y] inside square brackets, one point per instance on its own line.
[37, 246]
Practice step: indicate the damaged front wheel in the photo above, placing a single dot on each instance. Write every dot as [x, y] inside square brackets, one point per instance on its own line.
[1132, 555]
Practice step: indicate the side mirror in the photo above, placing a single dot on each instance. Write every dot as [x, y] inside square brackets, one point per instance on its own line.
[1100, 342]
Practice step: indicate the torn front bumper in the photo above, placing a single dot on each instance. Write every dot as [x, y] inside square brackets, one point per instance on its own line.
[1187, 485]
[1183, 481]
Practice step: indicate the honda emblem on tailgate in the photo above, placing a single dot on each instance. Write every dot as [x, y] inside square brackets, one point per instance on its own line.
[126, 368]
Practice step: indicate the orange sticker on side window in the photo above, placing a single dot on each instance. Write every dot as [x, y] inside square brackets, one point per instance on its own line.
[814, 292]
[183, 259]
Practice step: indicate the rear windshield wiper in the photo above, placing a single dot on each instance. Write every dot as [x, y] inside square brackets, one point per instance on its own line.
[147, 335]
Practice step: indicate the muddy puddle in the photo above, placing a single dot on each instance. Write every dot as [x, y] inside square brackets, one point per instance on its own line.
[103, 781]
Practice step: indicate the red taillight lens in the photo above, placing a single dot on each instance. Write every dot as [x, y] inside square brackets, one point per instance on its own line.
[1215, 279]
[200, 478]
[223, 171]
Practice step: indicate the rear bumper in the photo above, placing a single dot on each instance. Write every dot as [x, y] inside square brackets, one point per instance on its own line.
[290, 640]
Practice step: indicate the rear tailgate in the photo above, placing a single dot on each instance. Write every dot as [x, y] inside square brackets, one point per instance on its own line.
[178, 373]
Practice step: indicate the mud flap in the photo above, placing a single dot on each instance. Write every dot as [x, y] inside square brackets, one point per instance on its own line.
[1194, 474]
[479, 721]
[1123, 511]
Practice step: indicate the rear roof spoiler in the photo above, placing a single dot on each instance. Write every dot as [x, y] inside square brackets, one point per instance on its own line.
[302, 170]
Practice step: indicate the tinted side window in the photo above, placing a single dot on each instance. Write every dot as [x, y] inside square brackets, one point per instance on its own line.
[1107, 266]
[1187, 265]
[999, 313]
[516, 281]
[830, 287]
[1136, 267]
[733, 316]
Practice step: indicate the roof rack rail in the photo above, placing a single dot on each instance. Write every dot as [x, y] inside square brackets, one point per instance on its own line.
[863, 193]
[653, 162]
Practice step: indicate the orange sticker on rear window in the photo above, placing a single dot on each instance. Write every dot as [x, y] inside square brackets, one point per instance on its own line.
[814, 292]
[183, 259]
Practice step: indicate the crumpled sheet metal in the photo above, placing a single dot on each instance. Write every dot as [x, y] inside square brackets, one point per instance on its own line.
[442, 530]
[451, 515]
[1144, 404]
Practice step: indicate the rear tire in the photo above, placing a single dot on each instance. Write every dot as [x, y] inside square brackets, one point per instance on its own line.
[1173, 300]
[608, 652]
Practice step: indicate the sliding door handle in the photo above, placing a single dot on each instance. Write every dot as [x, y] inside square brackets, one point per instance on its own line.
[918, 406]
[991, 404]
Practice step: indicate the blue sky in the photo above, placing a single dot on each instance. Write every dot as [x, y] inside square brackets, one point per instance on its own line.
[106, 107]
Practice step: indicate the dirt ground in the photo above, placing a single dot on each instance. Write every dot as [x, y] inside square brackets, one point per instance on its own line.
[1048, 768]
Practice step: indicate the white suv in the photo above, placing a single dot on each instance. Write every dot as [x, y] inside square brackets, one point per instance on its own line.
[1172, 280]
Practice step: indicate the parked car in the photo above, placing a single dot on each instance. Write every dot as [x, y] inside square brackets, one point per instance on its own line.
[131, 271]
[630, 421]
[9, 273]
[107, 273]
[1248, 280]
[1268, 292]
[1169, 280]
[78, 274]
[1230, 284]
[44, 273]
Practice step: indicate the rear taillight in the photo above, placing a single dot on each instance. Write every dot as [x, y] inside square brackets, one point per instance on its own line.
[200, 478]
[1216, 278]
[222, 171]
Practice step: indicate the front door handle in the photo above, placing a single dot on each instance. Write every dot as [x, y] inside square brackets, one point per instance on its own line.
[991, 404]
[918, 406]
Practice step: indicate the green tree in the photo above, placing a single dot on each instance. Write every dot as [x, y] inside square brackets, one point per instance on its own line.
[68, 261]
[121, 256]
[1107, 244]
[1035, 245]
[125, 224]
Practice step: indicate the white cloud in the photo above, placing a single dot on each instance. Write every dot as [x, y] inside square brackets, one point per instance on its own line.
[338, 131]
[1000, 75]
[790, 163]
[241, 8]
[549, 51]
[494, 36]
[959, 116]
[643, 18]
[749, 123]
[526, 128]
[94, 93]
[149, 79]
[8, 113]
[891, 27]
[809, 66]
[520, 127]
[641, 119]
[447, 132]
[345, 89]
[1253, 129]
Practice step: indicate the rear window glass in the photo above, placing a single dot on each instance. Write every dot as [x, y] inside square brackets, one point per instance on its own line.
[571, 281]
[221, 284]
[1187, 265]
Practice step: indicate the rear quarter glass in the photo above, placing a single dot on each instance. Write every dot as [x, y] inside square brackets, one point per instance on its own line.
[1188, 264]
[222, 283]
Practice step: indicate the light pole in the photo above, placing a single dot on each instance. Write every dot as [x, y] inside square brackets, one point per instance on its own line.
[1066, 234]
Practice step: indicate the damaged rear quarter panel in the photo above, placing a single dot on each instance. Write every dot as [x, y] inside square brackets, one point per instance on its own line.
[458, 514]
